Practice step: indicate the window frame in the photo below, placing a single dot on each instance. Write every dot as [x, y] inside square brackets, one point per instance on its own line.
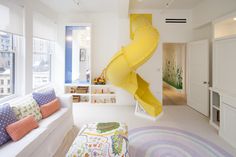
[13, 70]
[50, 54]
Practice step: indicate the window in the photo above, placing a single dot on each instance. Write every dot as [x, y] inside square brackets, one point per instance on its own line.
[42, 54]
[9, 45]
[7, 64]
[1, 90]
[11, 48]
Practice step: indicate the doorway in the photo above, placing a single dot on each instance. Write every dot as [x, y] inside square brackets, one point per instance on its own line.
[77, 54]
[174, 74]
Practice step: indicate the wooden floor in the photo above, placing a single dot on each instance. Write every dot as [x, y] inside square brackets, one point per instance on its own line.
[172, 97]
[176, 115]
[68, 140]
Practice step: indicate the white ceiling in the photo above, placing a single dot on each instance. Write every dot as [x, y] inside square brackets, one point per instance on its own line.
[161, 4]
[65, 6]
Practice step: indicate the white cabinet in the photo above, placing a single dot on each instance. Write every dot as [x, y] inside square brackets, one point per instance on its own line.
[223, 92]
[223, 115]
[215, 108]
[228, 120]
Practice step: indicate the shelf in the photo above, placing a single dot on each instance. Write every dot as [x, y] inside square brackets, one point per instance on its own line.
[106, 85]
[103, 94]
[104, 103]
[96, 94]
[215, 125]
[215, 99]
[215, 116]
[215, 107]
[76, 84]
[82, 94]
[79, 103]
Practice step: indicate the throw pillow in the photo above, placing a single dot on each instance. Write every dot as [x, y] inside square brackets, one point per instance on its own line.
[21, 128]
[50, 108]
[27, 107]
[7, 116]
[44, 97]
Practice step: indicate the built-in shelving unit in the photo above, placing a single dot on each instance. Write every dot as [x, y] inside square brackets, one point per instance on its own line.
[94, 94]
[80, 93]
[215, 108]
[223, 91]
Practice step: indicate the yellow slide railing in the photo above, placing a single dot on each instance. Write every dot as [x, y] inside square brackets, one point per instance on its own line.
[121, 71]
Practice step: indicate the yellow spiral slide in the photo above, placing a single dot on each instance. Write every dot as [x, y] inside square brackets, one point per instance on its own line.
[121, 71]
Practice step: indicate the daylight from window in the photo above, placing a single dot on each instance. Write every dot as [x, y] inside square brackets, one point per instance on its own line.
[9, 45]
[43, 50]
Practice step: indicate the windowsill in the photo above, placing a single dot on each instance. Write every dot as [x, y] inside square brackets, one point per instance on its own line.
[8, 98]
[43, 87]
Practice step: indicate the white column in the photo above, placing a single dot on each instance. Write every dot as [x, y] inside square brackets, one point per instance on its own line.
[27, 58]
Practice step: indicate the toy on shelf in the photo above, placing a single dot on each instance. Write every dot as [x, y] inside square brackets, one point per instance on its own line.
[77, 89]
[98, 100]
[100, 80]
[80, 99]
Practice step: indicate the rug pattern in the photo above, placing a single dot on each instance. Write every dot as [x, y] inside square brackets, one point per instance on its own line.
[156, 141]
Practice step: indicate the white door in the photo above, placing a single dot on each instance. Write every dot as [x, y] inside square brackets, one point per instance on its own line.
[198, 76]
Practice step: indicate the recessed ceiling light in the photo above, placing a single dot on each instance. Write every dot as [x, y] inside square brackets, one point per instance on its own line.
[169, 3]
[76, 2]
[69, 38]
[87, 28]
[235, 19]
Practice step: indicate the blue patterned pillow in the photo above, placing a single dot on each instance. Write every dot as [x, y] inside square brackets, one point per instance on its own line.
[44, 97]
[7, 116]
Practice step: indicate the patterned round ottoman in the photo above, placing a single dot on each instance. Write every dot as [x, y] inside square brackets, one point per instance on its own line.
[101, 140]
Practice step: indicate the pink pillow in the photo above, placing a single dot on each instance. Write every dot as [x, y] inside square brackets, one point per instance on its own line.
[22, 127]
[49, 108]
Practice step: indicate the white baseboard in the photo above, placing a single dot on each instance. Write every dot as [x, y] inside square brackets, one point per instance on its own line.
[140, 112]
[177, 90]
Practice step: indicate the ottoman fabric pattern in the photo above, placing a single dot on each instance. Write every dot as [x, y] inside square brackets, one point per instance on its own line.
[101, 139]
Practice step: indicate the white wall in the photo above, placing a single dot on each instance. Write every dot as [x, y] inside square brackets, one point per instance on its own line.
[203, 32]
[44, 27]
[13, 17]
[169, 33]
[105, 34]
[209, 10]
[21, 22]
[110, 32]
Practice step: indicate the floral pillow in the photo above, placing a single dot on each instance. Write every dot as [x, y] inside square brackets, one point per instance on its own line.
[27, 107]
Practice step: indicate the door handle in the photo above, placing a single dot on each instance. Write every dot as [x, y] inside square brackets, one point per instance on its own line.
[205, 82]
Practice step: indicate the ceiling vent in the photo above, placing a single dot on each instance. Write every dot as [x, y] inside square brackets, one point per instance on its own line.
[176, 20]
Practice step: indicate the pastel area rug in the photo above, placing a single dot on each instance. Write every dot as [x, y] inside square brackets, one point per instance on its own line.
[158, 141]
